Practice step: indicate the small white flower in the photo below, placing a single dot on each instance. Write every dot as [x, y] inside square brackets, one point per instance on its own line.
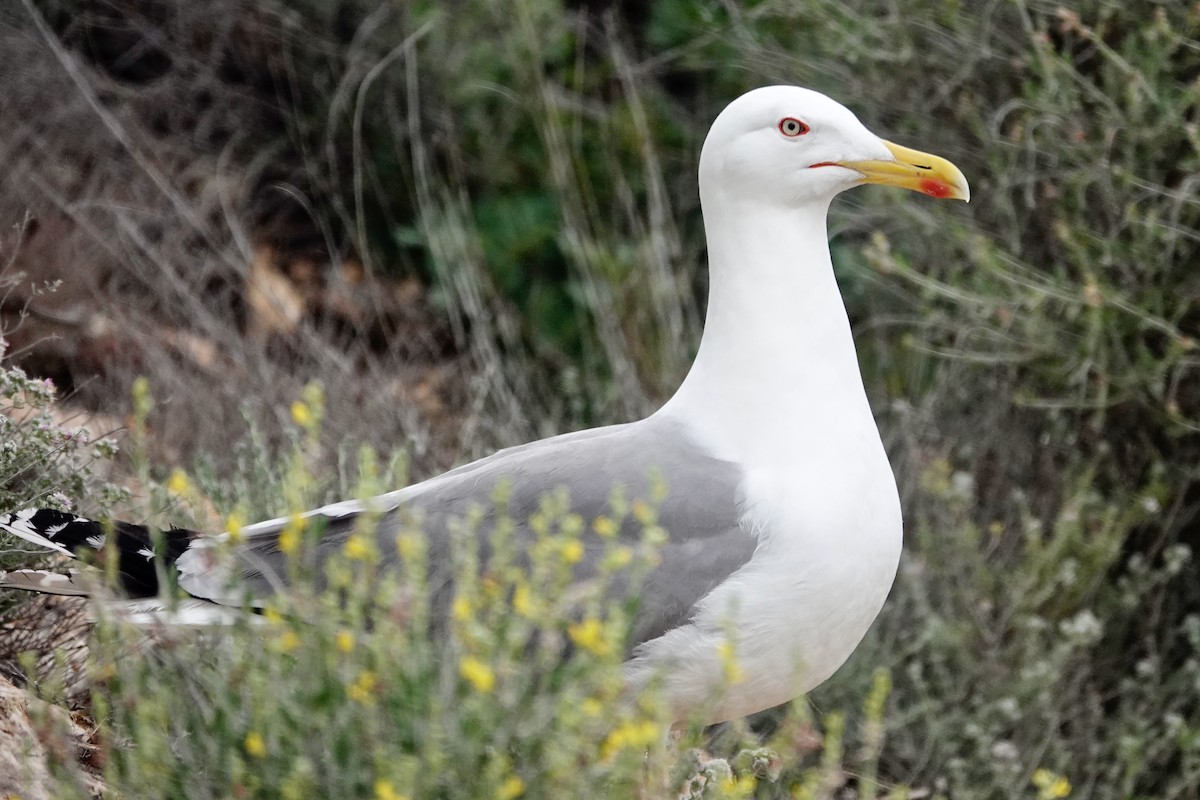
[1175, 557]
[1005, 750]
[963, 484]
[1068, 572]
[1082, 629]
[1009, 707]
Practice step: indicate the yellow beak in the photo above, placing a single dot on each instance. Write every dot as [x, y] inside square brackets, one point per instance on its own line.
[912, 169]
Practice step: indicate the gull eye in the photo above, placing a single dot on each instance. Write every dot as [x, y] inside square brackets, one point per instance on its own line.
[790, 126]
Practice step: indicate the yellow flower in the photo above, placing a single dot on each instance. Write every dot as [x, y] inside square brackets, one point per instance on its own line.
[302, 414]
[512, 788]
[591, 707]
[739, 787]
[357, 547]
[272, 615]
[1051, 786]
[143, 401]
[642, 512]
[461, 608]
[344, 641]
[523, 600]
[632, 734]
[478, 674]
[288, 641]
[233, 526]
[729, 665]
[572, 552]
[255, 745]
[589, 634]
[619, 557]
[385, 791]
[363, 689]
[605, 527]
[289, 539]
[408, 545]
[178, 483]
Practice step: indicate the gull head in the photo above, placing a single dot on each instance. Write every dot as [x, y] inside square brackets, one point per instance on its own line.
[790, 146]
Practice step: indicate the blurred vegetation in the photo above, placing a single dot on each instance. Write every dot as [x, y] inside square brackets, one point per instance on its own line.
[1032, 356]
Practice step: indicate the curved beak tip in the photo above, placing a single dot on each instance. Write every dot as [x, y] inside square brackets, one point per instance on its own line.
[916, 171]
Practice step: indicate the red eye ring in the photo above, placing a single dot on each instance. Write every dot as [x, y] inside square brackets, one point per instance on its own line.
[792, 127]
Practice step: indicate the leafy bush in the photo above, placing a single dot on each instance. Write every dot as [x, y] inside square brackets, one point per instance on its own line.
[48, 456]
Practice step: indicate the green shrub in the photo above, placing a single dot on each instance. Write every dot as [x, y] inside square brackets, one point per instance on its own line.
[368, 688]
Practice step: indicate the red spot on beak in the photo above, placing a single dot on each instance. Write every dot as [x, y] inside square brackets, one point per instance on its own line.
[934, 188]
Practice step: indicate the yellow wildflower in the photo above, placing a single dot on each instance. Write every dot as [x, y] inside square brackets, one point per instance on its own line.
[478, 674]
[233, 526]
[143, 401]
[363, 689]
[385, 791]
[344, 641]
[408, 545]
[255, 745]
[589, 634]
[461, 608]
[632, 734]
[178, 483]
[642, 512]
[591, 707]
[572, 552]
[729, 665]
[605, 527]
[272, 615]
[302, 414]
[289, 539]
[512, 788]
[288, 641]
[620, 557]
[523, 600]
[739, 787]
[1051, 786]
[357, 547]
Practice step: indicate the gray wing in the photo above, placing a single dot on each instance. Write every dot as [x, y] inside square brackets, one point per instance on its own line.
[700, 513]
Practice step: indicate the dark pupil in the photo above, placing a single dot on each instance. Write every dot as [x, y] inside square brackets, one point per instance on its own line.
[792, 126]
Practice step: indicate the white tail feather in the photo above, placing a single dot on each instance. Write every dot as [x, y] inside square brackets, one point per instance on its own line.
[154, 612]
[45, 582]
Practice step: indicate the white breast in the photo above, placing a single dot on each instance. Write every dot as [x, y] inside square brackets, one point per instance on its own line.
[829, 546]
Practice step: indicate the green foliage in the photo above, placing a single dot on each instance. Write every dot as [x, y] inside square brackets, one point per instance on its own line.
[48, 457]
[383, 685]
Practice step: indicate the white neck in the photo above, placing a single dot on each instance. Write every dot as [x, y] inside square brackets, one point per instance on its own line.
[776, 371]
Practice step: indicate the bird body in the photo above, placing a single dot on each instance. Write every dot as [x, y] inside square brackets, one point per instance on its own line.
[782, 513]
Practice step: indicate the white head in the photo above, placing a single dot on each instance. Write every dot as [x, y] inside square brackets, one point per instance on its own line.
[789, 146]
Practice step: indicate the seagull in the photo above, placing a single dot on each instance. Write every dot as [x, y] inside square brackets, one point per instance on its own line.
[782, 515]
